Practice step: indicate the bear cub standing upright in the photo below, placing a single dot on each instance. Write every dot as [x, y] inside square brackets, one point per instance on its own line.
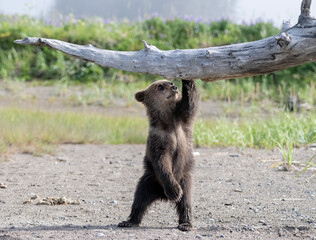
[168, 161]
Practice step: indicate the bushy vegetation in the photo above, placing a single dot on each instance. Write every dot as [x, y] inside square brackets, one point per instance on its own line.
[29, 63]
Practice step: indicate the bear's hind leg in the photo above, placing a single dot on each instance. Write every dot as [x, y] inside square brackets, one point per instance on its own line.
[148, 190]
[184, 207]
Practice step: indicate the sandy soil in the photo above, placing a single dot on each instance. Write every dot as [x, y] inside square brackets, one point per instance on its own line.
[83, 191]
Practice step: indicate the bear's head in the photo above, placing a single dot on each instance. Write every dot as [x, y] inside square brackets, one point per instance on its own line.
[160, 94]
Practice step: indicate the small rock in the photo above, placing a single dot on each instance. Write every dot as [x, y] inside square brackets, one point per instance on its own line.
[303, 228]
[94, 184]
[234, 155]
[211, 220]
[61, 159]
[100, 234]
[199, 237]
[196, 154]
[2, 185]
[237, 190]
[113, 202]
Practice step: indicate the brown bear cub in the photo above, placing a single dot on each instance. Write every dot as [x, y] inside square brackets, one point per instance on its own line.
[169, 159]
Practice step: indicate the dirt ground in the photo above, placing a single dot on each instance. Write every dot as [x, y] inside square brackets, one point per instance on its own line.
[84, 191]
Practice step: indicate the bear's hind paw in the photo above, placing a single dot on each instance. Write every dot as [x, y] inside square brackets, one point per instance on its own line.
[185, 227]
[127, 224]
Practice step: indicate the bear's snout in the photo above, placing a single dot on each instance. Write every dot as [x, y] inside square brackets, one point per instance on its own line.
[174, 88]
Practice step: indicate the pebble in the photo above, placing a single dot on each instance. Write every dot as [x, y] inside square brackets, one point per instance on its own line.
[234, 155]
[61, 159]
[94, 184]
[199, 237]
[2, 185]
[211, 220]
[100, 234]
[237, 190]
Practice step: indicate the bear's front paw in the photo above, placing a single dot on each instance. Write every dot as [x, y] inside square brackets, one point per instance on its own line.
[127, 224]
[174, 192]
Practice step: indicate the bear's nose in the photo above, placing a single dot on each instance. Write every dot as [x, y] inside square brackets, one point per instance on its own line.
[174, 88]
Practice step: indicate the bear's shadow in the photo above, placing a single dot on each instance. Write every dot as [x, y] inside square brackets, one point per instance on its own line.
[77, 227]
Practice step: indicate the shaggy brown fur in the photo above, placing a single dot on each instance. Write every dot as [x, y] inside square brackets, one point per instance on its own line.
[169, 160]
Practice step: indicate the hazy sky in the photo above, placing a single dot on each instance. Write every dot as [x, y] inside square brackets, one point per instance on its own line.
[248, 10]
[275, 10]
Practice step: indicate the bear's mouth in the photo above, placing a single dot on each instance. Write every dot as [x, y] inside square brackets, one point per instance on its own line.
[172, 95]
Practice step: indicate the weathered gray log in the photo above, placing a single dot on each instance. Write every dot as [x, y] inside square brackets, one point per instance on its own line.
[293, 46]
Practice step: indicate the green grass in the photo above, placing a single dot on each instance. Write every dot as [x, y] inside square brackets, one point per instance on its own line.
[34, 131]
[287, 153]
[38, 131]
[255, 133]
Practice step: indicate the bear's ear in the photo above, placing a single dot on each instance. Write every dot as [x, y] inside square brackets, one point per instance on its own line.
[140, 96]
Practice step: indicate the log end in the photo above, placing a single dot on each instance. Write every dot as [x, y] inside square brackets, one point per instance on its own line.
[28, 41]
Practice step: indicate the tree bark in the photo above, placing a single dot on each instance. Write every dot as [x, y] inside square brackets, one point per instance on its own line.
[291, 47]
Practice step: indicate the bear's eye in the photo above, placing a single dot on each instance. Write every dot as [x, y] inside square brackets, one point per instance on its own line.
[160, 88]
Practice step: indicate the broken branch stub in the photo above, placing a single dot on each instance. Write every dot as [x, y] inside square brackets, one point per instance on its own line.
[291, 47]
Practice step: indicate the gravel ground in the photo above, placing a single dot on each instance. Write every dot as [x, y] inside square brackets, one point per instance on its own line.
[84, 191]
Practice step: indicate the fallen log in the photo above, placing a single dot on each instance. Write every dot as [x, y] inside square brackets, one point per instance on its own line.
[293, 46]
